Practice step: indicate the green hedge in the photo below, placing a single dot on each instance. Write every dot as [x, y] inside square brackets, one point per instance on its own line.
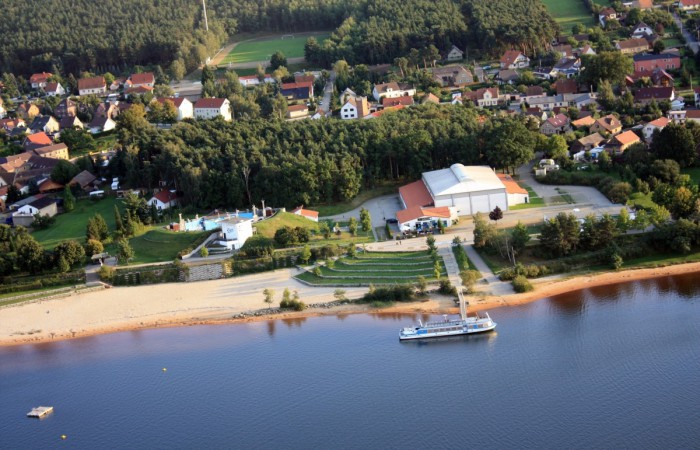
[146, 275]
[20, 284]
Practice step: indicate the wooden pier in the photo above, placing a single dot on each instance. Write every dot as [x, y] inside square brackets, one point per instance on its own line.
[40, 411]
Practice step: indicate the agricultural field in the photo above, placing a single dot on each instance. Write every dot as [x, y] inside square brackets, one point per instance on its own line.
[376, 268]
[568, 13]
[261, 49]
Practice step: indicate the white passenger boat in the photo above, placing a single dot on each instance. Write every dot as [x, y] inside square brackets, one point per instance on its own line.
[447, 327]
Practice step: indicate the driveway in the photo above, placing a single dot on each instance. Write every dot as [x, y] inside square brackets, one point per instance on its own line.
[690, 40]
[327, 94]
[380, 209]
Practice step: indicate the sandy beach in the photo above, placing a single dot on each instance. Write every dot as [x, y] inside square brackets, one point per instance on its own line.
[217, 301]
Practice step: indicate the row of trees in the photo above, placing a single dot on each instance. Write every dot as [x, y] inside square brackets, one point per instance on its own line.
[21, 253]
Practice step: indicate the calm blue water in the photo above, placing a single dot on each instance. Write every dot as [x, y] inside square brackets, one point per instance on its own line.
[612, 367]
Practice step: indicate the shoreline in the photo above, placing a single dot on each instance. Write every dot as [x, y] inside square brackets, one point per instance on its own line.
[178, 311]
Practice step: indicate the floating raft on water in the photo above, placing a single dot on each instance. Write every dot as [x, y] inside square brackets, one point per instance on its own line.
[40, 411]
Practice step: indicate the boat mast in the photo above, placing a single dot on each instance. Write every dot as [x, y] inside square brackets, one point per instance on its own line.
[462, 305]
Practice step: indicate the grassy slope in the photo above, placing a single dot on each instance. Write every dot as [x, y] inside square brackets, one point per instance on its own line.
[268, 227]
[567, 13]
[262, 49]
[159, 244]
[72, 225]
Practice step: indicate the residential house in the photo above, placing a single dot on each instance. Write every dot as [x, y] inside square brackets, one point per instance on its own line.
[479, 74]
[679, 117]
[209, 108]
[578, 100]
[234, 232]
[55, 151]
[430, 98]
[308, 213]
[39, 80]
[654, 125]
[388, 102]
[117, 84]
[688, 4]
[10, 124]
[3, 111]
[543, 73]
[138, 90]
[455, 54]
[92, 85]
[185, 109]
[587, 143]
[608, 124]
[304, 77]
[36, 140]
[693, 114]
[642, 30]
[567, 67]
[586, 50]
[566, 86]
[452, 76]
[101, 124]
[354, 108]
[85, 180]
[48, 185]
[54, 90]
[70, 122]
[319, 114]
[534, 91]
[110, 110]
[537, 113]
[632, 46]
[47, 124]
[646, 95]
[507, 76]
[298, 91]
[605, 15]
[649, 62]
[657, 77]
[65, 108]
[297, 111]
[514, 59]
[391, 90]
[164, 199]
[583, 122]
[640, 4]
[26, 166]
[146, 79]
[619, 143]
[548, 103]
[27, 111]
[558, 124]
[564, 50]
[484, 97]
[253, 80]
[42, 205]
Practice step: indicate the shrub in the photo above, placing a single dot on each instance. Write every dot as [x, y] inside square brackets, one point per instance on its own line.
[521, 284]
[446, 288]
[399, 293]
[204, 252]
[106, 273]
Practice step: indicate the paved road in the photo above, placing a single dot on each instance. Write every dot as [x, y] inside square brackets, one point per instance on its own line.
[690, 39]
[327, 94]
[380, 209]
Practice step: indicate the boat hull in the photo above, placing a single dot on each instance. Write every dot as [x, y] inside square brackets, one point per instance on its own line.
[434, 334]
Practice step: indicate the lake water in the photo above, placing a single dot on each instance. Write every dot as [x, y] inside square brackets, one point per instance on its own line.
[610, 367]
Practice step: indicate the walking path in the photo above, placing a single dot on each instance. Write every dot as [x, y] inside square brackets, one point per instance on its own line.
[495, 286]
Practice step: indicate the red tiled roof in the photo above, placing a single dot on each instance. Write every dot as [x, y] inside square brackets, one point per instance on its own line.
[177, 101]
[510, 56]
[210, 103]
[139, 90]
[405, 100]
[166, 196]
[295, 85]
[660, 122]
[558, 121]
[692, 114]
[511, 186]
[297, 108]
[628, 137]
[415, 212]
[51, 87]
[300, 211]
[416, 194]
[91, 83]
[40, 77]
[583, 122]
[304, 78]
[143, 78]
[633, 43]
[40, 138]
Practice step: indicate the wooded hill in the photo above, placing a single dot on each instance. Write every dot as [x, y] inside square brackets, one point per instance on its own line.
[76, 35]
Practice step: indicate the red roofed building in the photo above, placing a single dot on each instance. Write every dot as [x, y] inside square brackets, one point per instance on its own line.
[689, 4]
[209, 108]
[54, 89]
[558, 124]
[142, 79]
[514, 59]
[298, 91]
[309, 214]
[422, 218]
[138, 90]
[185, 109]
[93, 85]
[516, 194]
[36, 140]
[396, 101]
[415, 194]
[164, 200]
[618, 144]
[39, 80]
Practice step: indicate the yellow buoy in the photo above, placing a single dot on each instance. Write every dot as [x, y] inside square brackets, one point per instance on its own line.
[164, 369]
[64, 437]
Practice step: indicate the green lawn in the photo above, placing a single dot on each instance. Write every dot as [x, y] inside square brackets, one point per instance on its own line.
[534, 200]
[694, 173]
[261, 49]
[673, 43]
[640, 199]
[268, 228]
[72, 225]
[158, 244]
[568, 13]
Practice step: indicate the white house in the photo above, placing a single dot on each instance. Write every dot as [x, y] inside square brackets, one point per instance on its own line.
[392, 90]
[54, 90]
[45, 206]
[93, 85]
[514, 59]
[234, 232]
[455, 54]
[354, 108]
[164, 200]
[649, 128]
[689, 4]
[308, 213]
[101, 124]
[209, 108]
[642, 30]
[185, 109]
[145, 79]
[39, 80]
[3, 111]
[253, 80]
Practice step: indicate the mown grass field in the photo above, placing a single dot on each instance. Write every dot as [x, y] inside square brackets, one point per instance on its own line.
[268, 228]
[262, 49]
[158, 245]
[376, 268]
[72, 225]
[535, 201]
[568, 13]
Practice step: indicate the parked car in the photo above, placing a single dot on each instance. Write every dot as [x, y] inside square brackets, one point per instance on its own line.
[395, 221]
